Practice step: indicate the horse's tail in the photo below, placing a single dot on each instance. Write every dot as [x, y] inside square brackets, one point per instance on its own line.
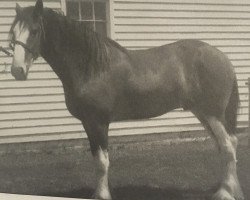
[231, 110]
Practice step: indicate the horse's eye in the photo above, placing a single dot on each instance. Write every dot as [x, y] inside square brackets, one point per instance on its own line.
[33, 32]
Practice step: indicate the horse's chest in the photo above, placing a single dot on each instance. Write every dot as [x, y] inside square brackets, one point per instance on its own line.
[73, 104]
[91, 99]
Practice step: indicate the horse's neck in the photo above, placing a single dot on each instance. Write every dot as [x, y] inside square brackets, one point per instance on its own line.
[53, 51]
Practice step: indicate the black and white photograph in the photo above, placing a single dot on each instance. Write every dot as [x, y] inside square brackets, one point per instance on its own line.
[125, 99]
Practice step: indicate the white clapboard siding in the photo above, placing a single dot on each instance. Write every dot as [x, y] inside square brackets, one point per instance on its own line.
[35, 110]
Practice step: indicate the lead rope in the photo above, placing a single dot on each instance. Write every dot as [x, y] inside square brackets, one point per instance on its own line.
[5, 70]
[6, 51]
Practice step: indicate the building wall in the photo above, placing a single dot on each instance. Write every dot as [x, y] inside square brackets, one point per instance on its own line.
[34, 110]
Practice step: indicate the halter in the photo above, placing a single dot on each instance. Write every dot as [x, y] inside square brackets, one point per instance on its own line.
[35, 53]
[25, 46]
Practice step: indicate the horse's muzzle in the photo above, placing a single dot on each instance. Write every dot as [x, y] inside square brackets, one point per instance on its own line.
[18, 73]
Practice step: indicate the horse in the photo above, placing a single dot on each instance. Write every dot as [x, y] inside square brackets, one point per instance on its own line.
[104, 82]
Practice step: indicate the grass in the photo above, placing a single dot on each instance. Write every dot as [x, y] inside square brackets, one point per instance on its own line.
[139, 170]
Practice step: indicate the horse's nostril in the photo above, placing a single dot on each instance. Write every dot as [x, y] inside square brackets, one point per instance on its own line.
[18, 73]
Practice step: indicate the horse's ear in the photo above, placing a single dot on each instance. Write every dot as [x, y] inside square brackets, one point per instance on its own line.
[38, 11]
[18, 9]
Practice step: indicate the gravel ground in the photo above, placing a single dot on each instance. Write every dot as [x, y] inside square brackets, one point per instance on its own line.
[139, 170]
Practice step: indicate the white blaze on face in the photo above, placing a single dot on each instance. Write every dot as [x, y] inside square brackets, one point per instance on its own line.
[21, 34]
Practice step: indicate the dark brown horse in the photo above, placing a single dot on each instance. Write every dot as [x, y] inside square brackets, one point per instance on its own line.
[103, 82]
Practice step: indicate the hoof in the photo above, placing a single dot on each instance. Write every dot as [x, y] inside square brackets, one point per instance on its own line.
[223, 194]
[238, 194]
[104, 195]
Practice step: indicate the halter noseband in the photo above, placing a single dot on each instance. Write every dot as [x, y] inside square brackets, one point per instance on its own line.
[25, 46]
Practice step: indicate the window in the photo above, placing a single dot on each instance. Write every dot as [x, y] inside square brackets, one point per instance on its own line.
[90, 12]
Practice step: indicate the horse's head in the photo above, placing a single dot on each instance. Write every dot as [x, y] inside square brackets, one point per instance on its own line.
[26, 34]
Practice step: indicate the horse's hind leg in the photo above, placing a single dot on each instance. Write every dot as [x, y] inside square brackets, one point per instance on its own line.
[230, 188]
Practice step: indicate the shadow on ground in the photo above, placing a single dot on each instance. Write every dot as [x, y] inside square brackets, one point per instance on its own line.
[144, 192]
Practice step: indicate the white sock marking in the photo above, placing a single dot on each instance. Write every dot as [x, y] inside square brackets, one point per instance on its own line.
[102, 167]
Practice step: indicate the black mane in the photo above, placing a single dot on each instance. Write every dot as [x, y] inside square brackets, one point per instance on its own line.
[89, 43]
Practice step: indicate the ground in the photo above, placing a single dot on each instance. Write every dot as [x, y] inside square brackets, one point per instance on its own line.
[140, 169]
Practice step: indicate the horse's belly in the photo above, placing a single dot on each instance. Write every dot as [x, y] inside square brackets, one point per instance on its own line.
[144, 106]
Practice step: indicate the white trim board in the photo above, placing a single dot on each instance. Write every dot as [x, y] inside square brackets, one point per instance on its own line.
[6, 196]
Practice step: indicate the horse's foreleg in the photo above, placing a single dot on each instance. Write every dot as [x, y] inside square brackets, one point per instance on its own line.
[102, 167]
[98, 138]
[230, 188]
